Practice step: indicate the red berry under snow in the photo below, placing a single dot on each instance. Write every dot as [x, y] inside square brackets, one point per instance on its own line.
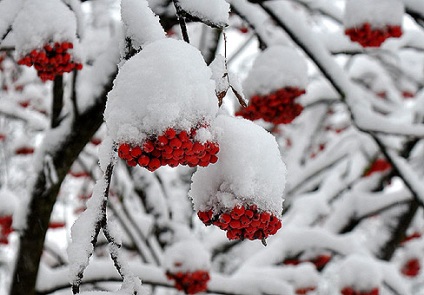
[5, 228]
[172, 148]
[190, 282]
[379, 165]
[372, 37]
[243, 222]
[320, 261]
[278, 107]
[51, 60]
[302, 291]
[351, 291]
[411, 268]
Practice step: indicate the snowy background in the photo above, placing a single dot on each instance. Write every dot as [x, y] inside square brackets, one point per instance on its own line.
[345, 177]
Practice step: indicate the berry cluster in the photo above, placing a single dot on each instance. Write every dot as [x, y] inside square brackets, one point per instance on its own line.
[320, 261]
[369, 37]
[25, 150]
[302, 291]
[411, 268]
[5, 228]
[190, 282]
[351, 291]
[278, 107]
[408, 94]
[243, 223]
[379, 165]
[51, 60]
[170, 148]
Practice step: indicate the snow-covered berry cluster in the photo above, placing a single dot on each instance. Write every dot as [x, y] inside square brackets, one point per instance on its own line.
[411, 268]
[278, 107]
[5, 228]
[52, 60]
[368, 36]
[351, 291]
[171, 148]
[320, 261]
[190, 282]
[379, 165]
[243, 222]
[306, 290]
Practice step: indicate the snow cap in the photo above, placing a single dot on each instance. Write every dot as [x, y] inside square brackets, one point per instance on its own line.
[43, 21]
[360, 272]
[379, 13]
[249, 170]
[167, 84]
[186, 256]
[275, 68]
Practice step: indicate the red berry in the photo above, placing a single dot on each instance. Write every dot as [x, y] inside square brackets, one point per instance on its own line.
[143, 160]
[183, 136]
[136, 152]
[154, 164]
[175, 143]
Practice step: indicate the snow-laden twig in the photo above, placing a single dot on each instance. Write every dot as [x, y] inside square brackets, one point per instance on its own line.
[87, 228]
[100, 271]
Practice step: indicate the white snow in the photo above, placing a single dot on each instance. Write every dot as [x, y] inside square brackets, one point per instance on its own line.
[141, 25]
[379, 13]
[8, 201]
[215, 12]
[275, 68]
[219, 74]
[186, 256]
[8, 11]
[360, 272]
[249, 169]
[83, 231]
[166, 85]
[43, 21]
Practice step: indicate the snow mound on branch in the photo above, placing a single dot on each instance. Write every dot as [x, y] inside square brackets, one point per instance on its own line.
[186, 256]
[166, 85]
[43, 21]
[8, 201]
[379, 13]
[275, 68]
[142, 26]
[249, 169]
[215, 12]
[359, 272]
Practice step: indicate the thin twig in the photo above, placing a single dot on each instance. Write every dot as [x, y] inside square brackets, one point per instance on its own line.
[181, 20]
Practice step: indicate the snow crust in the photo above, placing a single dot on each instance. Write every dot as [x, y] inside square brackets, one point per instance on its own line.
[249, 169]
[379, 13]
[216, 11]
[141, 25]
[42, 21]
[186, 256]
[275, 68]
[166, 85]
